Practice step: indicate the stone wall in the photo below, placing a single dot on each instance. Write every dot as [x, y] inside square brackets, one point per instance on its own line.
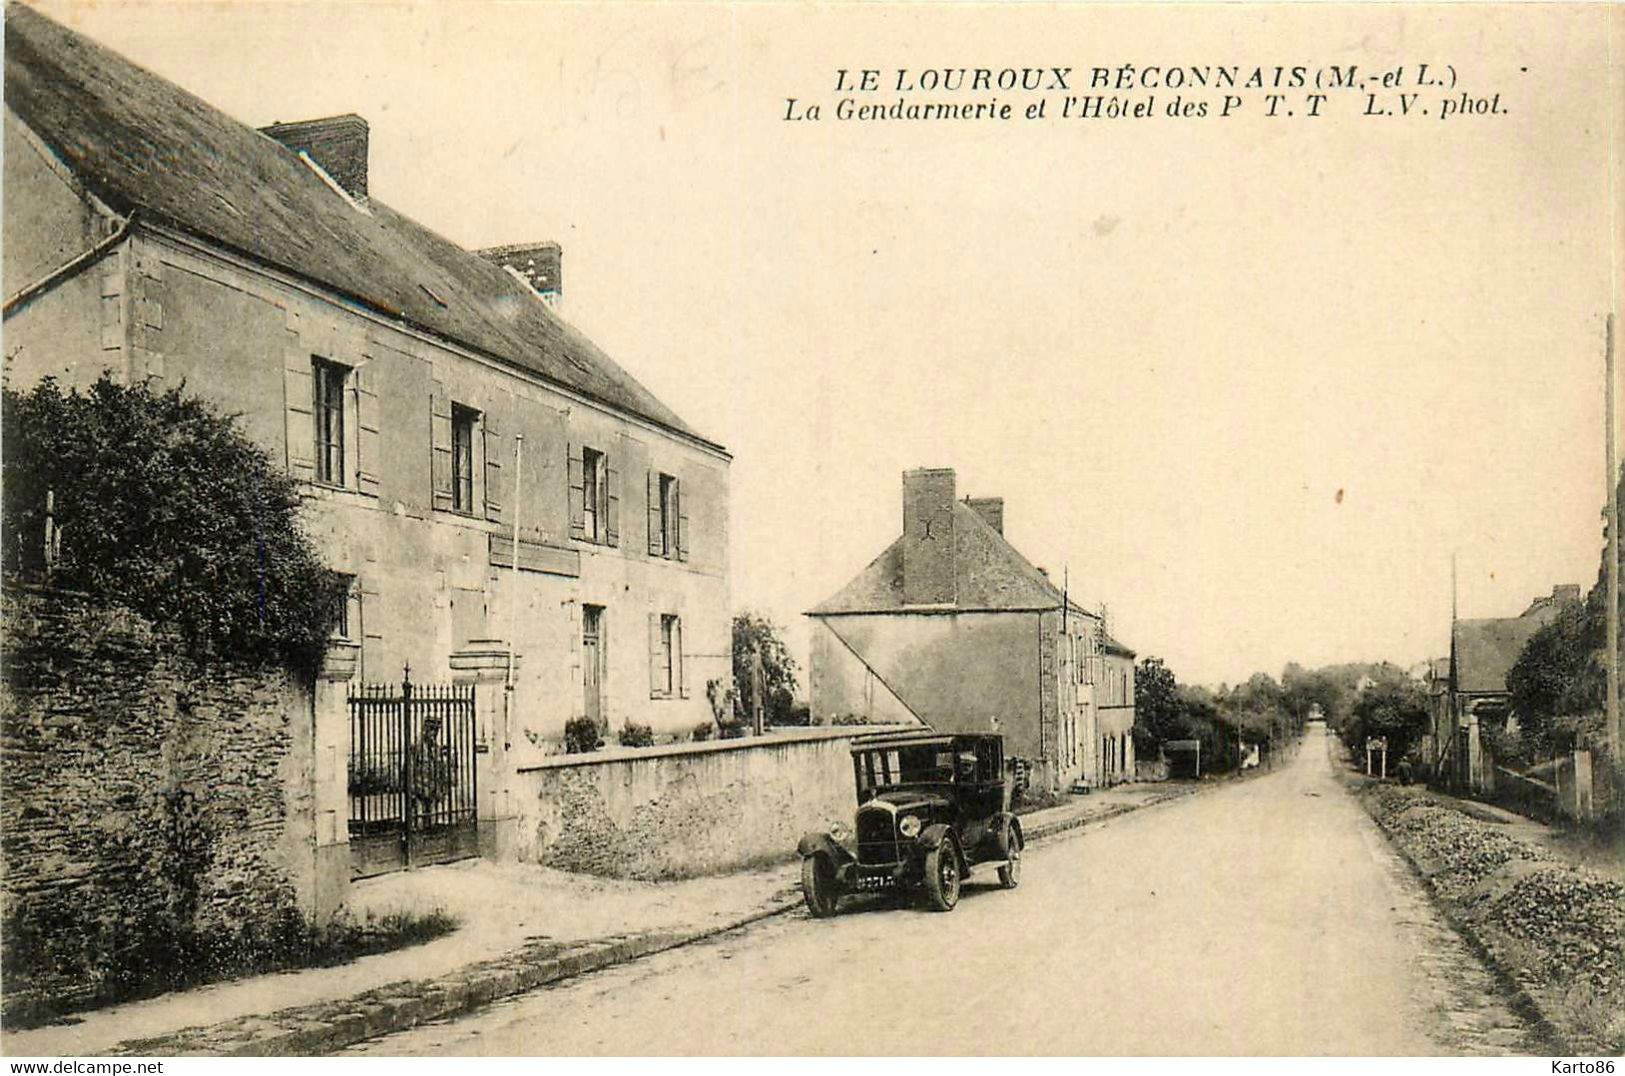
[144, 792]
[684, 810]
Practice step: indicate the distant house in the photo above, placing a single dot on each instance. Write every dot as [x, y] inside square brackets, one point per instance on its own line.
[1482, 652]
[951, 626]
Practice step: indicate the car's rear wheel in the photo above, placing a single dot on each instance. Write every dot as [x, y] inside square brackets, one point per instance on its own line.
[818, 886]
[942, 875]
[1010, 873]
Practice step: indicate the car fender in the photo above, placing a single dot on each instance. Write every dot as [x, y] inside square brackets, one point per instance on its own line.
[995, 842]
[814, 843]
[929, 837]
[1009, 824]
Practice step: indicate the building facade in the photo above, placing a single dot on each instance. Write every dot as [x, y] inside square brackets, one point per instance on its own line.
[510, 505]
[1482, 653]
[953, 628]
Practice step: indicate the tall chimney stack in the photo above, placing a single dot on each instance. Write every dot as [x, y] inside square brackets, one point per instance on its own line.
[540, 264]
[337, 143]
[928, 537]
[991, 509]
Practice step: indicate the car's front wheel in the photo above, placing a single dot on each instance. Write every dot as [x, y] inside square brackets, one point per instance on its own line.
[942, 875]
[818, 886]
[1010, 873]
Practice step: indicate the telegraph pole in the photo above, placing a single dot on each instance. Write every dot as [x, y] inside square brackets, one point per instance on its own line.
[1613, 553]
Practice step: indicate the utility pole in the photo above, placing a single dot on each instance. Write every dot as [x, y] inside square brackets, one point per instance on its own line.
[1613, 553]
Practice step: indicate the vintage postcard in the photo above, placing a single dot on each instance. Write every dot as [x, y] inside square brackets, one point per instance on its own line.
[886, 529]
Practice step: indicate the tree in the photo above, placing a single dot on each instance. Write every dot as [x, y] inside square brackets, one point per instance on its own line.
[754, 632]
[1304, 689]
[1559, 682]
[1393, 709]
[163, 505]
[1156, 707]
[1559, 677]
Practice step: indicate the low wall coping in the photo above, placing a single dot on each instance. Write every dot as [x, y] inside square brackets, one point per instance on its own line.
[777, 738]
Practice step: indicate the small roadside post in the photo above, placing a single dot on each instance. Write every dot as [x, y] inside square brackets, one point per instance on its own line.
[1378, 745]
[758, 712]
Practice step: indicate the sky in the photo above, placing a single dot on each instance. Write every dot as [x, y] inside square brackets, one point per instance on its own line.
[1249, 382]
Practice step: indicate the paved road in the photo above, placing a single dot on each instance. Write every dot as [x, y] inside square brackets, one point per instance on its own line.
[1267, 917]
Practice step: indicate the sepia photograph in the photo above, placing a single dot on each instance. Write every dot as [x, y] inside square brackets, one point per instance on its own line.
[801, 530]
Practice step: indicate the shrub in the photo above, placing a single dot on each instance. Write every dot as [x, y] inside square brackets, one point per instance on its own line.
[162, 503]
[146, 954]
[635, 735]
[702, 732]
[581, 736]
[849, 719]
[752, 632]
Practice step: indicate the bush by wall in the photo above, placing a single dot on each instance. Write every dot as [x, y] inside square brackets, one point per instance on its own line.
[634, 734]
[581, 736]
[157, 501]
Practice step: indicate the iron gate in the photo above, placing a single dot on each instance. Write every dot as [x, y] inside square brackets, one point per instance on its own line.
[412, 775]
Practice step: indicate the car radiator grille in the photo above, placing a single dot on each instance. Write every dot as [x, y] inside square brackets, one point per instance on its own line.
[877, 839]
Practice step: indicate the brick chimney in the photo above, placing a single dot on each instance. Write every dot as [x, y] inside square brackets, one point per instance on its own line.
[338, 144]
[991, 509]
[541, 265]
[928, 537]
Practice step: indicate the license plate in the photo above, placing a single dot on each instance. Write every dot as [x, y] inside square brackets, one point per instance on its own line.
[874, 881]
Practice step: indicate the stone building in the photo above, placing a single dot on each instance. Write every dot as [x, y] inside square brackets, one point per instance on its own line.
[506, 498]
[1482, 652]
[951, 626]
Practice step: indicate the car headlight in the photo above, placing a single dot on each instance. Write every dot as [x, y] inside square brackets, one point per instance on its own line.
[837, 831]
[909, 826]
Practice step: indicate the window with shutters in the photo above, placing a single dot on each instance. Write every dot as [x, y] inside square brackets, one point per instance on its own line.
[594, 498]
[668, 521]
[666, 658]
[593, 512]
[668, 516]
[329, 382]
[464, 421]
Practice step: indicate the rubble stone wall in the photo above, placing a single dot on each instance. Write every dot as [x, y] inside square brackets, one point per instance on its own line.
[143, 790]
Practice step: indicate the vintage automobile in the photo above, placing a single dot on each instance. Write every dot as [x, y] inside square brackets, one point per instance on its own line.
[932, 807]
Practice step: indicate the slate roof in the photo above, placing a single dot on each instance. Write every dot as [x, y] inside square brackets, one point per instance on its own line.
[1485, 650]
[142, 144]
[1112, 646]
[990, 576]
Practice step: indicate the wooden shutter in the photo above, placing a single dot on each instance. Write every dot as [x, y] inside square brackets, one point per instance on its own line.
[657, 687]
[371, 628]
[440, 445]
[368, 442]
[678, 665]
[578, 491]
[300, 389]
[654, 513]
[612, 503]
[496, 493]
[681, 525]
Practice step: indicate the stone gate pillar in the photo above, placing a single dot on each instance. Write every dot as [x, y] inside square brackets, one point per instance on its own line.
[484, 663]
[330, 778]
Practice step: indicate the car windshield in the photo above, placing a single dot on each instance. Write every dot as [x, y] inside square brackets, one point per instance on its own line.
[893, 766]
